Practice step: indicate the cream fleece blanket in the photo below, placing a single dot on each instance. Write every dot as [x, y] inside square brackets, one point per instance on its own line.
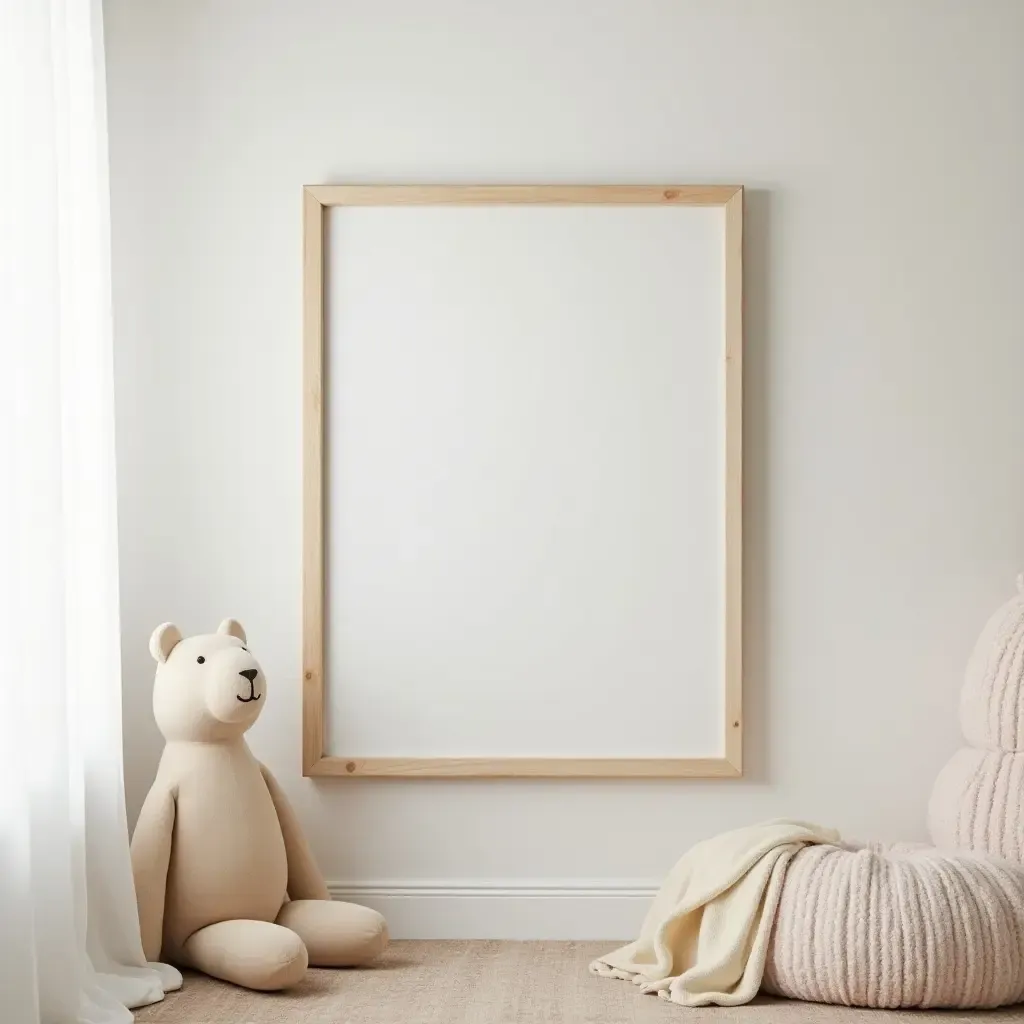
[705, 937]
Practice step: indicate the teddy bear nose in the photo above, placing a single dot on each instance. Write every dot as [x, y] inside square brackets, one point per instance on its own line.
[249, 673]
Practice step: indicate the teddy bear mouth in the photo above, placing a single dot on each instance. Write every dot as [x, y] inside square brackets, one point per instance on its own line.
[253, 695]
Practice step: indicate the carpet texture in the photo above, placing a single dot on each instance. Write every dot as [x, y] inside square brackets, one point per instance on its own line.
[492, 983]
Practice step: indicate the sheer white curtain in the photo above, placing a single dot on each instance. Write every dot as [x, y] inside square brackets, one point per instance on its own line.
[69, 935]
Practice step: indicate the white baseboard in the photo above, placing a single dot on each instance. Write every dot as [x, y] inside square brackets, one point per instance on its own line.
[504, 910]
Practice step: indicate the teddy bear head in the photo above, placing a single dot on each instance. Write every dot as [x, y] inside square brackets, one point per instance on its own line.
[207, 687]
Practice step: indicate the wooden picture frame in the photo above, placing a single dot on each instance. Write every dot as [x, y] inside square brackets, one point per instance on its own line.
[316, 760]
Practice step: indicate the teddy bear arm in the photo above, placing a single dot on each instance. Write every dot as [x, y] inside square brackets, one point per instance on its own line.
[151, 856]
[304, 879]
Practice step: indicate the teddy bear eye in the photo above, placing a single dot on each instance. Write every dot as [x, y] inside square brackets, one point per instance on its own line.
[200, 659]
[246, 649]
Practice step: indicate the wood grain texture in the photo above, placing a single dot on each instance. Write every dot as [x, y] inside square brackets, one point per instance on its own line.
[536, 195]
[316, 762]
[526, 767]
[734, 481]
[312, 482]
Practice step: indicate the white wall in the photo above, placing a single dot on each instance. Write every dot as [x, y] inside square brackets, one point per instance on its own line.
[881, 145]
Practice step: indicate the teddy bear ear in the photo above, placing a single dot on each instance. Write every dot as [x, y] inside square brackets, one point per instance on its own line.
[163, 641]
[232, 627]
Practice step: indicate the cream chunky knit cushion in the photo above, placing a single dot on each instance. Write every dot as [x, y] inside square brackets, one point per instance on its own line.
[906, 925]
[977, 802]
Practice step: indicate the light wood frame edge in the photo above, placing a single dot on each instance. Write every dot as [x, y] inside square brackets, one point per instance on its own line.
[733, 430]
[315, 761]
[312, 482]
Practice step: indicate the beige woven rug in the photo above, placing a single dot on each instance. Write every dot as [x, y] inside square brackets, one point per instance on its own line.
[491, 983]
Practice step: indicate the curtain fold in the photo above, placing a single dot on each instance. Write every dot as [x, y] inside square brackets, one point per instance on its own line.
[70, 951]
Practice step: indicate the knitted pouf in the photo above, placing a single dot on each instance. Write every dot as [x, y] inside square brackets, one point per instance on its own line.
[977, 802]
[898, 926]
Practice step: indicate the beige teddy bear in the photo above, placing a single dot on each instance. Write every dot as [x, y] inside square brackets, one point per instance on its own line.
[225, 880]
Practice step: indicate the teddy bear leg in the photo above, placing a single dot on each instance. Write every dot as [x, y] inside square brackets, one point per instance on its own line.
[336, 934]
[254, 954]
